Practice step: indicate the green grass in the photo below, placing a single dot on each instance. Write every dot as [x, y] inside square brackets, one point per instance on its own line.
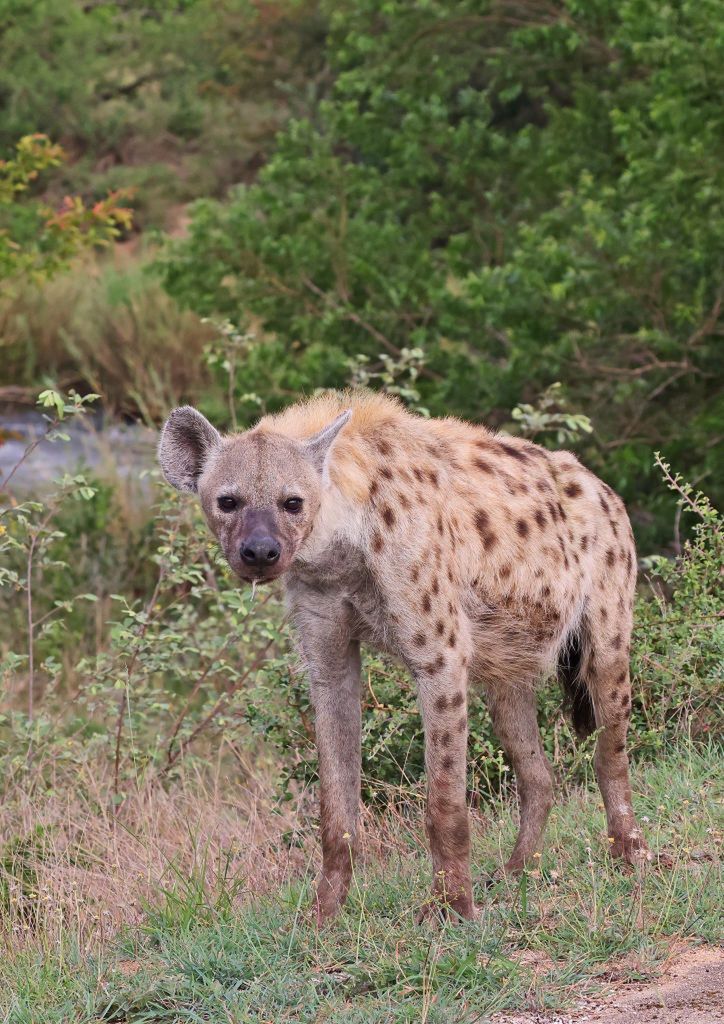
[563, 931]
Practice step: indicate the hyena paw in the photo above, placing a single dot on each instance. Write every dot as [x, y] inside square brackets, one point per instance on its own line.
[437, 910]
[331, 894]
[631, 848]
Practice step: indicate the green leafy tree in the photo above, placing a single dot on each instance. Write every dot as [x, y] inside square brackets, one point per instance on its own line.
[527, 192]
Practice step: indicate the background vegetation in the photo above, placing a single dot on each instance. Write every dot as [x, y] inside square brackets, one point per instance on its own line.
[505, 211]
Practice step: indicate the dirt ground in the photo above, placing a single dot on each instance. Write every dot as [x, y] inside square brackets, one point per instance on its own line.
[690, 990]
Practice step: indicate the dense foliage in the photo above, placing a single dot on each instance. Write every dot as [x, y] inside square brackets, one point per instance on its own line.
[174, 99]
[527, 192]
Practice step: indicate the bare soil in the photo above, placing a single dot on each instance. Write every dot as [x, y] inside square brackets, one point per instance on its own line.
[690, 990]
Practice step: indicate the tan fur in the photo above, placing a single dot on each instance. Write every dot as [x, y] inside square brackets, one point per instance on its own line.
[473, 557]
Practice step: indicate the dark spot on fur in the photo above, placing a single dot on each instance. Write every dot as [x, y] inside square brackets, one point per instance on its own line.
[610, 558]
[432, 477]
[482, 525]
[445, 739]
[616, 642]
[561, 511]
[441, 703]
[604, 505]
[462, 724]
[573, 489]
[620, 748]
[604, 614]
[403, 500]
[553, 511]
[418, 474]
[373, 489]
[419, 639]
[457, 700]
[546, 591]
[439, 524]
[388, 515]
[522, 527]
[440, 627]
[584, 542]
[540, 518]
[513, 452]
[386, 472]
[451, 640]
[377, 542]
[415, 574]
[426, 603]
[482, 465]
[505, 571]
[447, 763]
[625, 699]
[435, 586]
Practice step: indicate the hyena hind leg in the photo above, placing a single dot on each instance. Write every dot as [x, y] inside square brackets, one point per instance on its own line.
[595, 673]
[514, 713]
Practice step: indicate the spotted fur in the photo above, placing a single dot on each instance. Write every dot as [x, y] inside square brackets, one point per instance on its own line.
[473, 558]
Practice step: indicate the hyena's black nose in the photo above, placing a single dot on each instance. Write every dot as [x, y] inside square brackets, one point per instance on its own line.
[260, 551]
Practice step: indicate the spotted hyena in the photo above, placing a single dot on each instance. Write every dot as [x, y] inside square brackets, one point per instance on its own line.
[472, 557]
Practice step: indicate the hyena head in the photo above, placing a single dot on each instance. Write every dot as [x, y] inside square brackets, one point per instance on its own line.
[260, 491]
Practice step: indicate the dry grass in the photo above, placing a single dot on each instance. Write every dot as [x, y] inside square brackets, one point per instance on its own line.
[89, 869]
[76, 865]
[108, 329]
[191, 904]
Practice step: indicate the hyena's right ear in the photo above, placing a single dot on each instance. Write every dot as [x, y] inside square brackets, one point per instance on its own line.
[187, 440]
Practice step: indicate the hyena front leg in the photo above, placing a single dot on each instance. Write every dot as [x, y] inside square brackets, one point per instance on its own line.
[443, 703]
[333, 663]
[337, 721]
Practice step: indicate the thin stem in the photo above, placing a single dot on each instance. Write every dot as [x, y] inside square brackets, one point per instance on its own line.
[129, 672]
[31, 645]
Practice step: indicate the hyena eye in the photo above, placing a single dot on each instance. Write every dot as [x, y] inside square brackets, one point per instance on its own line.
[293, 504]
[226, 503]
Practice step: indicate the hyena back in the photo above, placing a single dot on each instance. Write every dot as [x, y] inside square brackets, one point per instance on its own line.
[474, 558]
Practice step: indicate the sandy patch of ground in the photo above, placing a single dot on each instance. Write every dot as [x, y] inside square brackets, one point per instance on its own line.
[690, 990]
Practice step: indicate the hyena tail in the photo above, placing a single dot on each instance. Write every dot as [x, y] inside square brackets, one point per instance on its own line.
[574, 686]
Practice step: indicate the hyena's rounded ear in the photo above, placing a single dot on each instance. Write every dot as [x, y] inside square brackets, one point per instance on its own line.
[317, 448]
[187, 439]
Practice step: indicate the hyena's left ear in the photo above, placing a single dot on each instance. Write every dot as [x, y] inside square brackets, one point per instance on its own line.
[318, 448]
[187, 440]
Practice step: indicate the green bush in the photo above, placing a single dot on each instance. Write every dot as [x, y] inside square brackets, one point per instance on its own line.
[527, 193]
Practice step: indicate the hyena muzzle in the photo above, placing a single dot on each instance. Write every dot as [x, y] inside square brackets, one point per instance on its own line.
[473, 558]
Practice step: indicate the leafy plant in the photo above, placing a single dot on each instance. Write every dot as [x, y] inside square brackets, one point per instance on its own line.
[35, 239]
